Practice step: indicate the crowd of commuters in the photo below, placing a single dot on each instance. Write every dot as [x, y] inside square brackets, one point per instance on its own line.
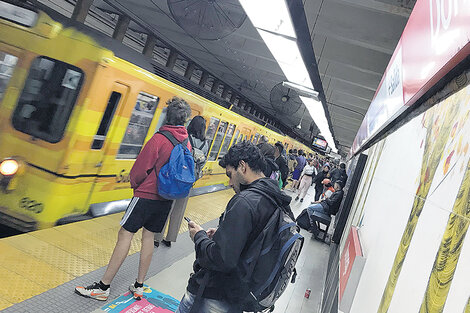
[257, 173]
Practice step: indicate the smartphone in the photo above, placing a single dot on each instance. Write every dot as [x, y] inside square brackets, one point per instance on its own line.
[187, 219]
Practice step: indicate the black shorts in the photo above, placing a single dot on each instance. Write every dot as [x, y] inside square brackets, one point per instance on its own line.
[151, 214]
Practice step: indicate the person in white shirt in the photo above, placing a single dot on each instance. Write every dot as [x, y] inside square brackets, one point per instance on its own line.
[306, 177]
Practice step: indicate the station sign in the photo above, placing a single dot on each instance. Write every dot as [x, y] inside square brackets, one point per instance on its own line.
[435, 39]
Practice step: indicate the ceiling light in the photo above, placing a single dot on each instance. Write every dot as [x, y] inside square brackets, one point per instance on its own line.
[309, 92]
[270, 15]
[272, 20]
[287, 54]
[316, 111]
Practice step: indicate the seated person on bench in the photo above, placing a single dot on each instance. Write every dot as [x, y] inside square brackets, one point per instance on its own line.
[329, 206]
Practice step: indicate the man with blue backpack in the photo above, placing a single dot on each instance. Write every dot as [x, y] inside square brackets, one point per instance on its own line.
[246, 263]
[162, 172]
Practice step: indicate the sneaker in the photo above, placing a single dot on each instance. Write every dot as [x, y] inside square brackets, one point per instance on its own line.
[297, 198]
[93, 291]
[138, 292]
[302, 200]
[156, 243]
[167, 243]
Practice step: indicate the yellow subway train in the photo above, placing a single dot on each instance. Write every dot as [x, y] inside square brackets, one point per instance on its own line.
[74, 116]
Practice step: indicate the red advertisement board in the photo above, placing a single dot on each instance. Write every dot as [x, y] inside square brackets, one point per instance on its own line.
[352, 248]
[436, 38]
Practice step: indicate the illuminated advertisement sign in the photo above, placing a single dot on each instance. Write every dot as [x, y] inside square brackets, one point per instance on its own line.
[435, 39]
[319, 143]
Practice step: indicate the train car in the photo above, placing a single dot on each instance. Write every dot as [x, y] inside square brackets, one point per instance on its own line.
[74, 116]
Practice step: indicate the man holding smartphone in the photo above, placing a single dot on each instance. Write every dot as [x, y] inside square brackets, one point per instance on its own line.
[218, 250]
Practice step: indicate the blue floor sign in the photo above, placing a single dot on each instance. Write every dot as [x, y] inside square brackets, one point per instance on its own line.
[152, 302]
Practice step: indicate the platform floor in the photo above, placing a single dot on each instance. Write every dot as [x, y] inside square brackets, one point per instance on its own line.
[43, 267]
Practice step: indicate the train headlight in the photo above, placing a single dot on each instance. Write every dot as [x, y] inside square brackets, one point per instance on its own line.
[9, 167]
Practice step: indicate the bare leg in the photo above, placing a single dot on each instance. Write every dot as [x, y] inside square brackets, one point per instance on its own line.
[119, 255]
[145, 254]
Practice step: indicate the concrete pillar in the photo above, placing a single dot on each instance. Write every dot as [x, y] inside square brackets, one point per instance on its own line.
[189, 69]
[121, 27]
[149, 46]
[172, 57]
[204, 78]
[225, 92]
[80, 11]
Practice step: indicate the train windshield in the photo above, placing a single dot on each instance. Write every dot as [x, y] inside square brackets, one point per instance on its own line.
[47, 100]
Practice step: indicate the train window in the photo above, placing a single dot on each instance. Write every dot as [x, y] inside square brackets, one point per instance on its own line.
[106, 121]
[217, 141]
[47, 100]
[255, 140]
[7, 65]
[236, 138]
[138, 126]
[240, 138]
[210, 133]
[228, 138]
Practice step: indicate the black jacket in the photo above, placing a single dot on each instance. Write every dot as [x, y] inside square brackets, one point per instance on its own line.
[339, 174]
[244, 218]
[283, 168]
[271, 166]
[331, 204]
[318, 179]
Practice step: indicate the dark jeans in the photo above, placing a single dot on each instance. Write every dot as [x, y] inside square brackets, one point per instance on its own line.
[207, 305]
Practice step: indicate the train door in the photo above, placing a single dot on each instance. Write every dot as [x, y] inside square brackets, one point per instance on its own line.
[103, 148]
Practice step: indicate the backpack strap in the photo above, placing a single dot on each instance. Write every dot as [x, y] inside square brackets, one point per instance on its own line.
[192, 143]
[172, 138]
[274, 202]
[198, 297]
[203, 144]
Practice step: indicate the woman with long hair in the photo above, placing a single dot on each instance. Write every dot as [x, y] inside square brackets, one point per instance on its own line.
[197, 138]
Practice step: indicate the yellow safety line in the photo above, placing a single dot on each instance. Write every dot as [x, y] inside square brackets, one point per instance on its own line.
[38, 261]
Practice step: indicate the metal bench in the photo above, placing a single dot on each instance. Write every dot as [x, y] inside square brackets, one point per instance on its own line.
[320, 218]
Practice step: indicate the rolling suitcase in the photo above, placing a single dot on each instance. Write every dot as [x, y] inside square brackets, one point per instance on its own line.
[302, 220]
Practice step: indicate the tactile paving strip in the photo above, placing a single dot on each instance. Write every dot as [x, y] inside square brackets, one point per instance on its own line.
[32, 268]
[40, 260]
[4, 304]
[63, 299]
[52, 255]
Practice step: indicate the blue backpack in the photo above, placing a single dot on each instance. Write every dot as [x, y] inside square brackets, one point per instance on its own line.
[176, 178]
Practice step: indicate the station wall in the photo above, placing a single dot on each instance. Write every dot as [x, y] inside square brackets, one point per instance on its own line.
[413, 212]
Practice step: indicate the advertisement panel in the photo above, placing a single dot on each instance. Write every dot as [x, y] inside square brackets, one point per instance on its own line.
[435, 39]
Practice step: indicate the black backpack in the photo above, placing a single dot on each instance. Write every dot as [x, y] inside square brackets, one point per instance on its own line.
[269, 262]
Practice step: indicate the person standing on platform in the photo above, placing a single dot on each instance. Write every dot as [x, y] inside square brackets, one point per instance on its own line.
[291, 160]
[197, 138]
[340, 174]
[147, 209]
[281, 163]
[306, 180]
[216, 285]
[318, 181]
[301, 161]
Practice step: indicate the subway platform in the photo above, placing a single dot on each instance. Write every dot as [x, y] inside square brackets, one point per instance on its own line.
[41, 269]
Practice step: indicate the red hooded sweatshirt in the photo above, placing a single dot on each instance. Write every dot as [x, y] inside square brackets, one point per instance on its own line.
[150, 160]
